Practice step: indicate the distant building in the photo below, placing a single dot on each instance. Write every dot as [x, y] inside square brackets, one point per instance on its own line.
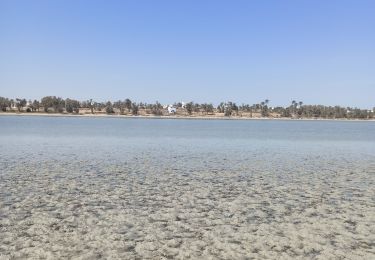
[13, 105]
[172, 109]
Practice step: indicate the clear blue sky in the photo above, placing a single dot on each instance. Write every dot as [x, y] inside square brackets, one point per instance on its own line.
[204, 50]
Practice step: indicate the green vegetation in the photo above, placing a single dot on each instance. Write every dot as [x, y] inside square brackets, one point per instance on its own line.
[134, 109]
[20, 103]
[4, 104]
[189, 108]
[109, 108]
[296, 109]
[156, 109]
[72, 106]
[51, 102]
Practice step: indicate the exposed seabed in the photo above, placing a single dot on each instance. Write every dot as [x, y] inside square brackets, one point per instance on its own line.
[140, 209]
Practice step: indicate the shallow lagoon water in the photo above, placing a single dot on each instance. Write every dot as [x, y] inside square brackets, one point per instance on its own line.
[119, 188]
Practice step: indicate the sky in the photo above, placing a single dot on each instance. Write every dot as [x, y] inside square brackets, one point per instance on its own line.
[318, 52]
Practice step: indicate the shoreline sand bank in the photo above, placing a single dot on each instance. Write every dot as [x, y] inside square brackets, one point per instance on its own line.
[183, 117]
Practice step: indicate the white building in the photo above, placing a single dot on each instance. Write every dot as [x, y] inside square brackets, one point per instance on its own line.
[13, 105]
[172, 109]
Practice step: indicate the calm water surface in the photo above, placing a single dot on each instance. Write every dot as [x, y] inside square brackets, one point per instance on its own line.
[141, 188]
[119, 139]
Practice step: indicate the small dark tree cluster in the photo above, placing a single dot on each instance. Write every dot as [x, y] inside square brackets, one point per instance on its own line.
[52, 102]
[157, 109]
[72, 106]
[4, 104]
[135, 109]
[20, 103]
[109, 108]
[189, 108]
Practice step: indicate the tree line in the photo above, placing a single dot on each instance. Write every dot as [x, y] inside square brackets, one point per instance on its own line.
[53, 104]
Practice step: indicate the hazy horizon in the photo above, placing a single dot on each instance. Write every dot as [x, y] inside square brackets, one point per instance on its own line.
[318, 52]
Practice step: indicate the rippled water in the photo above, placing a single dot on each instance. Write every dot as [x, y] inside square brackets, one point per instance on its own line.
[203, 189]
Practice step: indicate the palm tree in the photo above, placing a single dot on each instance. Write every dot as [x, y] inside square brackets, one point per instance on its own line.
[20, 103]
[264, 108]
[128, 104]
[300, 109]
[293, 107]
[90, 105]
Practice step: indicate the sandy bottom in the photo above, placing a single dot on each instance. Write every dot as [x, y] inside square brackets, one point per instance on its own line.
[141, 210]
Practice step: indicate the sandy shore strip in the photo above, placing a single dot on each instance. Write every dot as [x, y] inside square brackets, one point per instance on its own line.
[182, 117]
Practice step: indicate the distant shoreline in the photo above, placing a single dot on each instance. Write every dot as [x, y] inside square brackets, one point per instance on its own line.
[208, 117]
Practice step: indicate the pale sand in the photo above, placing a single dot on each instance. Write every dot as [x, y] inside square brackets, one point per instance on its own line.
[141, 210]
[192, 117]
